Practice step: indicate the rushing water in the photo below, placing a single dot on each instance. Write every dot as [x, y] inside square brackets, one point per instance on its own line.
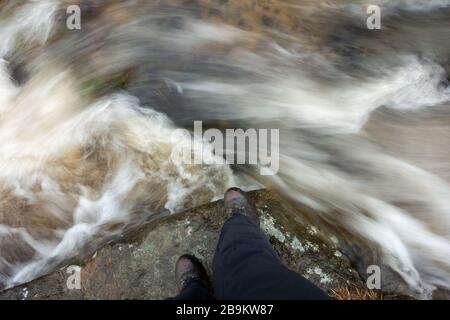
[85, 118]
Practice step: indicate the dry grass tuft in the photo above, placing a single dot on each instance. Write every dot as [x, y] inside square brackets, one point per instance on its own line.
[354, 293]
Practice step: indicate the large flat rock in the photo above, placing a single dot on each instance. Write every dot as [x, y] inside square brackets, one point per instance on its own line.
[140, 264]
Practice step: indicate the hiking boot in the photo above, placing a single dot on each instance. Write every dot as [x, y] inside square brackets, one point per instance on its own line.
[189, 268]
[236, 202]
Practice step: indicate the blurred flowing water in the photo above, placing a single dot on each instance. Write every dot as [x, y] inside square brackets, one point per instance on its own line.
[85, 118]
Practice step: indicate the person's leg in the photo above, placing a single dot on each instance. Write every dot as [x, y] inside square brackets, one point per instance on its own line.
[192, 280]
[247, 267]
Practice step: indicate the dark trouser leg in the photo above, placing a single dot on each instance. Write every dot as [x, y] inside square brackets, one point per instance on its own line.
[246, 267]
[194, 290]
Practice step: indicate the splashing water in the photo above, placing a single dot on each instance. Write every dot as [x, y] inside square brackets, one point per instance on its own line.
[363, 118]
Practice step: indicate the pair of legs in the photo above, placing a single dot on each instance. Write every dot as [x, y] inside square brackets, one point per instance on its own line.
[245, 265]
